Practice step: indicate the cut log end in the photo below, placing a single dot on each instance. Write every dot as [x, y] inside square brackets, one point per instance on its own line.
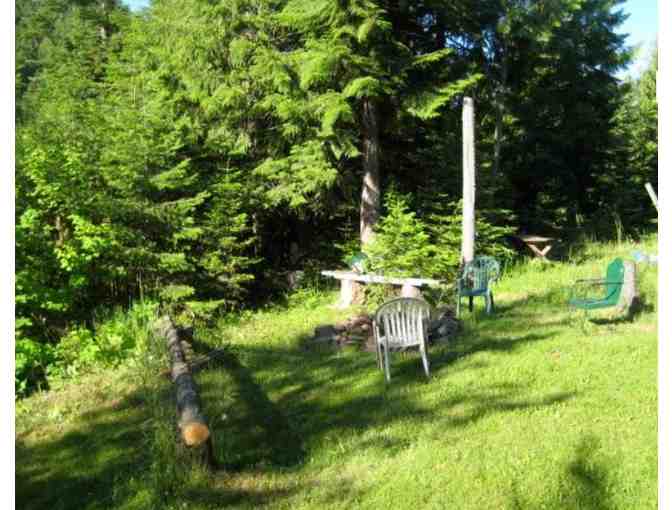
[195, 434]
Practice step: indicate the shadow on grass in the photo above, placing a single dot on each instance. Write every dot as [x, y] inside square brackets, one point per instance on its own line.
[318, 398]
[314, 400]
[584, 485]
[82, 466]
[110, 458]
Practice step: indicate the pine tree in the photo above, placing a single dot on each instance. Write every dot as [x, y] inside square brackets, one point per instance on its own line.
[366, 66]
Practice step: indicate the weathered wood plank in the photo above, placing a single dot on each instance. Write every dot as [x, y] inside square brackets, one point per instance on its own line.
[373, 278]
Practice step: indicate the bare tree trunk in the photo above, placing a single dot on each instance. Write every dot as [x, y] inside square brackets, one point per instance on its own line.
[62, 231]
[498, 136]
[370, 202]
[499, 113]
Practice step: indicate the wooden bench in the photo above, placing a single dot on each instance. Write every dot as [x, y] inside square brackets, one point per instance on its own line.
[410, 287]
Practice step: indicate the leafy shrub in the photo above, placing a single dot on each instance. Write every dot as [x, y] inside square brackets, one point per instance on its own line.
[402, 245]
[117, 337]
[31, 361]
[407, 244]
[77, 351]
[444, 222]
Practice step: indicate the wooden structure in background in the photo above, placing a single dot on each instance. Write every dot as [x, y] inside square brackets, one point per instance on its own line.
[539, 245]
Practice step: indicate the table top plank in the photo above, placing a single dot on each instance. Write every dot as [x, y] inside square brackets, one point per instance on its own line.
[374, 278]
[535, 239]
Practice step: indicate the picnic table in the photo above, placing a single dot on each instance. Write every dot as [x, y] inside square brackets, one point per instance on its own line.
[410, 287]
[539, 245]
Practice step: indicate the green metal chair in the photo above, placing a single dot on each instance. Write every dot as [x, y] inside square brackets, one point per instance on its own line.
[475, 279]
[610, 289]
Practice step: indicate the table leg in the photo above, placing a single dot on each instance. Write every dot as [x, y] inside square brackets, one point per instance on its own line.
[410, 291]
[347, 291]
[539, 253]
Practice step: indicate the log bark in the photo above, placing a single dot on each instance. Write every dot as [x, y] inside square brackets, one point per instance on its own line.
[370, 202]
[191, 422]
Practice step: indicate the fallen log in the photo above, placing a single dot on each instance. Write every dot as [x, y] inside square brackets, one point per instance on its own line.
[196, 363]
[191, 422]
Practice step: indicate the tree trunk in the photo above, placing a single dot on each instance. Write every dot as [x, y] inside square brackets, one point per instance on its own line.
[370, 202]
[62, 231]
[498, 135]
[499, 113]
[191, 422]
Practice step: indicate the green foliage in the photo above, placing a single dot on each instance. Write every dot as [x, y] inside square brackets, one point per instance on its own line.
[429, 246]
[636, 132]
[117, 337]
[183, 154]
[402, 245]
[444, 223]
[31, 360]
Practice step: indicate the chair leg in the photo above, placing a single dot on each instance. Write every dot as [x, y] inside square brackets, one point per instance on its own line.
[492, 302]
[471, 303]
[387, 363]
[425, 359]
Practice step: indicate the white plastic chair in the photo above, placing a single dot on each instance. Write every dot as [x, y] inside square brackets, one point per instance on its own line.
[398, 325]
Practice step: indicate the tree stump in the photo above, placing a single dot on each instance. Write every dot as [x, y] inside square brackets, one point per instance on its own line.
[629, 293]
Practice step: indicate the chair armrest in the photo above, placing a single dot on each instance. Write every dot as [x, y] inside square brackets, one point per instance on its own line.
[596, 281]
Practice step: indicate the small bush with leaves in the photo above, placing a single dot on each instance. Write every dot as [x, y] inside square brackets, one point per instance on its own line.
[407, 244]
[31, 362]
[402, 245]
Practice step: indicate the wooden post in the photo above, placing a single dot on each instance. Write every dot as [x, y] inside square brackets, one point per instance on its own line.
[468, 180]
[652, 194]
[629, 292]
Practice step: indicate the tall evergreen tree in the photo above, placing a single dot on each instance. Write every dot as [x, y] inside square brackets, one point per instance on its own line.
[367, 66]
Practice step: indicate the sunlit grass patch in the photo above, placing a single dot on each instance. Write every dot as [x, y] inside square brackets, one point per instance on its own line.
[526, 408]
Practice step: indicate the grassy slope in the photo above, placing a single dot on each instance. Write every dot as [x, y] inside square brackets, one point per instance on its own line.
[524, 410]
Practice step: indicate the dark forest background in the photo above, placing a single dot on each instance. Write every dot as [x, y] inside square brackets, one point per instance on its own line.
[199, 152]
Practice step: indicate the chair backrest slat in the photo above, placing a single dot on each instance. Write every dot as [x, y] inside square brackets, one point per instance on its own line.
[615, 274]
[479, 273]
[404, 321]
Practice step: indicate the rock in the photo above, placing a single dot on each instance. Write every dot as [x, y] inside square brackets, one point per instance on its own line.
[325, 331]
[325, 334]
[340, 328]
[445, 325]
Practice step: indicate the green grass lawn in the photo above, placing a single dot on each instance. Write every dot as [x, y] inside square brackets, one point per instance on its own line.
[528, 408]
